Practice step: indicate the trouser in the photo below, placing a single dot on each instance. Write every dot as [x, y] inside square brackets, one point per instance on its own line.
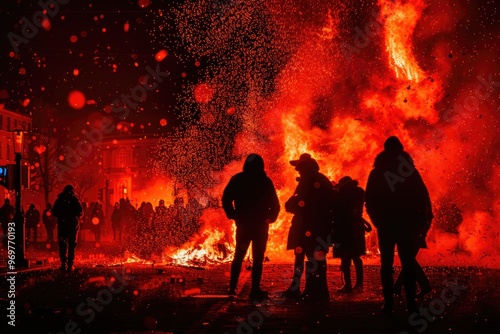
[28, 233]
[50, 233]
[257, 235]
[316, 288]
[67, 244]
[406, 251]
[421, 277]
[345, 267]
[298, 269]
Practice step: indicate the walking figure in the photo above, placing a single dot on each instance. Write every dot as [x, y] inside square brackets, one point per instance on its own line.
[6, 215]
[250, 200]
[398, 204]
[349, 229]
[310, 234]
[32, 220]
[67, 209]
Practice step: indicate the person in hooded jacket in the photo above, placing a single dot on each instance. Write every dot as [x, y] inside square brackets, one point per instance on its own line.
[349, 229]
[310, 233]
[32, 219]
[67, 209]
[399, 206]
[250, 200]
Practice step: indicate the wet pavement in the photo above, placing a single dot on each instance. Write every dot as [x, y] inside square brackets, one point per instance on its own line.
[105, 296]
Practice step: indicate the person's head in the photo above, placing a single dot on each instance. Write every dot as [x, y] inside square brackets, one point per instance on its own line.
[69, 189]
[254, 164]
[162, 202]
[32, 206]
[305, 164]
[393, 144]
[117, 205]
[48, 206]
[7, 201]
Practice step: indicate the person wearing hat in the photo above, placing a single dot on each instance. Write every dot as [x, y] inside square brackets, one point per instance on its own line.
[67, 209]
[312, 205]
[349, 229]
[399, 206]
[32, 220]
[250, 200]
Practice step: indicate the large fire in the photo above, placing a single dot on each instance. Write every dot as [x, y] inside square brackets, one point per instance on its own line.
[340, 100]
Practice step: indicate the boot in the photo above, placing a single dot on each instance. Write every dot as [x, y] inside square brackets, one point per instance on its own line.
[316, 289]
[358, 265]
[293, 292]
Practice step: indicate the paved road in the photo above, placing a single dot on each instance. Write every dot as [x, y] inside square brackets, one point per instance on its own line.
[133, 298]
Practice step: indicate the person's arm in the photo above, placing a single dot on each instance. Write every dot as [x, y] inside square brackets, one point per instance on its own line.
[275, 203]
[227, 200]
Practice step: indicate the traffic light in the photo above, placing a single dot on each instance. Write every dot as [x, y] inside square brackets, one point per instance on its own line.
[4, 172]
[100, 194]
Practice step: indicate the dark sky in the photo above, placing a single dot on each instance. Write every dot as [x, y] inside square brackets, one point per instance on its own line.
[109, 60]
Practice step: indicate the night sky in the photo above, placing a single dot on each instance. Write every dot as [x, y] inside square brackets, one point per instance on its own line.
[101, 48]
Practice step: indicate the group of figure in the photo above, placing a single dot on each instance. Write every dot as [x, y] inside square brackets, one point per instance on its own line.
[93, 219]
[326, 214]
[151, 229]
[32, 220]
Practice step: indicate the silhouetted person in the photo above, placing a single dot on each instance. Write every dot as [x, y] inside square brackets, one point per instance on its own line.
[250, 200]
[161, 208]
[398, 204]
[49, 221]
[7, 212]
[349, 229]
[67, 209]
[116, 222]
[312, 205]
[32, 220]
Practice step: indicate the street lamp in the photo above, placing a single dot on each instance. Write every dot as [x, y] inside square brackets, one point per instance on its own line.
[20, 259]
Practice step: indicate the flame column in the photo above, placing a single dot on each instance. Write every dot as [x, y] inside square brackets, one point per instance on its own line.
[20, 241]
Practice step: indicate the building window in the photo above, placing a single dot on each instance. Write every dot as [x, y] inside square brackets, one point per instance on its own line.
[8, 123]
[1, 122]
[15, 123]
[8, 151]
[1, 150]
[122, 158]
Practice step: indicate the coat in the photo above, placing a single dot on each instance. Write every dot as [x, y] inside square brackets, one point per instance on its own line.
[250, 197]
[348, 223]
[396, 196]
[67, 209]
[312, 205]
[32, 218]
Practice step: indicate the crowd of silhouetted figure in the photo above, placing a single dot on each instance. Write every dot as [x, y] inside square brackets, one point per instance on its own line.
[330, 214]
[324, 214]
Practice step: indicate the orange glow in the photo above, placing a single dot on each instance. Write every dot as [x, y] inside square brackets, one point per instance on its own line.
[76, 99]
[203, 93]
[160, 55]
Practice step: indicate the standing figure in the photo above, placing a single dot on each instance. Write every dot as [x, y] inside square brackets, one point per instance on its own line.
[250, 200]
[312, 205]
[32, 220]
[116, 222]
[7, 212]
[67, 209]
[49, 221]
[349, 229]
[398, 204]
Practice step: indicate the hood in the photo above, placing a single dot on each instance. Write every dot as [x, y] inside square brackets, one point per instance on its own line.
[254, 164]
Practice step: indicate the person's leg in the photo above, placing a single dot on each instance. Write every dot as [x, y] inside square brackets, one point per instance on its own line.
[386, 246]
[242, 243]
[406, 252]
[28, 233]
[358, 266]
[72, 235]
[35, 233]
[298, 269]
[422, 280]
[63, 247]
[259, 242]
[345, 268]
